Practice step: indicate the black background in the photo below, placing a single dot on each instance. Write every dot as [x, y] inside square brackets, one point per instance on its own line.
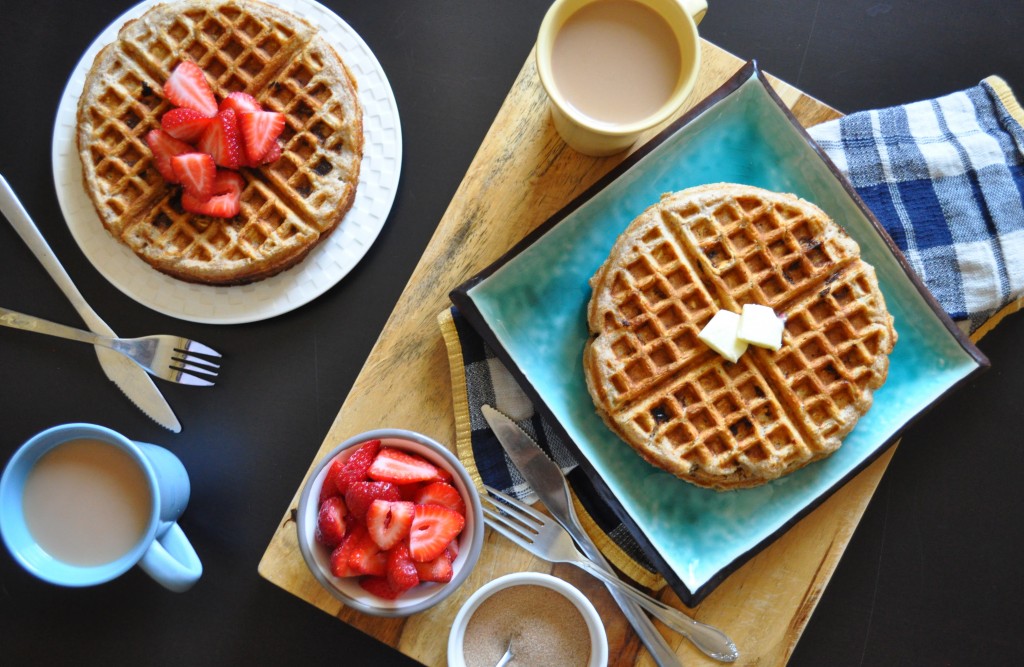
[931, 576]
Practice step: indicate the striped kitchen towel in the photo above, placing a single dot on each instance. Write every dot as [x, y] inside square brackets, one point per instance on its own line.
[945, 177]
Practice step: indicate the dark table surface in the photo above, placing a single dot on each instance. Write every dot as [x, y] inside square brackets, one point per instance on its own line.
[932, 574]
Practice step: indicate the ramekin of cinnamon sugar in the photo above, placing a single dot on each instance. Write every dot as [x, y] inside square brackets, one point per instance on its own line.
[549, 621]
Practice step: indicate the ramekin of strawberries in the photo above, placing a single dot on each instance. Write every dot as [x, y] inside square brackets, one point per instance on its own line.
[390, 522]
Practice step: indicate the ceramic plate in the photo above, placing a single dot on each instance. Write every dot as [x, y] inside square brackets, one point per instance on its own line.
[531, 308]
[323, 268]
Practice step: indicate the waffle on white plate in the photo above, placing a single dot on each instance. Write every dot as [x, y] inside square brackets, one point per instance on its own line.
[687, 409]
[287, 206]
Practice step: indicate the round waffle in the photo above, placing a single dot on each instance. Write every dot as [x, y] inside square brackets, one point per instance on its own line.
[287, 206]
[685, 408]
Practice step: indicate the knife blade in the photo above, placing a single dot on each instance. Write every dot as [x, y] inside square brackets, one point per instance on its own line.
[548, 482]
[132, 380]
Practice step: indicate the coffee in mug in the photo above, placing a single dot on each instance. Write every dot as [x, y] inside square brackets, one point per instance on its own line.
[613, 69]
[71, 487]
[81, 504]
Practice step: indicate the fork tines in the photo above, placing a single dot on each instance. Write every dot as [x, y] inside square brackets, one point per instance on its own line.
[511, 514]
[192, 368]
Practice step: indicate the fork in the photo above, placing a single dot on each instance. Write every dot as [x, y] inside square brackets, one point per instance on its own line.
[545, 539]
[171, 358]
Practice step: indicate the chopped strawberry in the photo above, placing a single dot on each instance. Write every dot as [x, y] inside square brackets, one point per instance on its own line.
[380, 587]
[340, 557]
[389, 521]
[164, 147]
[330, 484]
[240, 102]
[366, 557]
[273, 153]
[443, 476]
[222, 140]
[360, 495]
[439, 569]
[330, 522]
[399, 467]
[226, 199]
[197, 173]
[433, 527]
[187, 87]
[401, 570]
[440, 493]
[357, 465]
[260, 130]
[184, 123]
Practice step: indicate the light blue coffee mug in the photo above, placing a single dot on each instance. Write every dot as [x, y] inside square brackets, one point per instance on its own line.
[163, 552]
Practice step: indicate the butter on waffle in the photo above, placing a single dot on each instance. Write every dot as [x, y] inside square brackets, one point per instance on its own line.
[685, 408]
[287, 206]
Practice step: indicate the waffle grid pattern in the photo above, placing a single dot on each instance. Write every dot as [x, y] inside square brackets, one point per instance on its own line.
[287, 206]
[681, 405]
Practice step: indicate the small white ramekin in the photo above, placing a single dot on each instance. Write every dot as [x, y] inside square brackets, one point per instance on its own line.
[598, 637]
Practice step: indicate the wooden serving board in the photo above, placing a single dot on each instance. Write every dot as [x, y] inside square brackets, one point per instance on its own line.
[523, 174]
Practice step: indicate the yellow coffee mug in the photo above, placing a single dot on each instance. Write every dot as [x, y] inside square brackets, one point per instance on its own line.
[671, 37]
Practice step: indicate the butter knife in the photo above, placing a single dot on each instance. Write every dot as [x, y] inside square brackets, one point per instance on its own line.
[129, 378]
[550, 485]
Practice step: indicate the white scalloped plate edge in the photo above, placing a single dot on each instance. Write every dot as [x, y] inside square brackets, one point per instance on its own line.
[323, 268]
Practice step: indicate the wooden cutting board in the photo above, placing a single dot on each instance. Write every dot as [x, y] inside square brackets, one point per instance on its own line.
[522, 174]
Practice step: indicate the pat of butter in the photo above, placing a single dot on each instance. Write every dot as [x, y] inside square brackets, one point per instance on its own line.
[720, 334]
[759, 325]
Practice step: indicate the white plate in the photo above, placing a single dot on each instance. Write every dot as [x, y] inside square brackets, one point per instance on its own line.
[325, 266]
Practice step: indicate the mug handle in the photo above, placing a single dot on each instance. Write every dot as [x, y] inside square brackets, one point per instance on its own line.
[172, 561]
[695, 8]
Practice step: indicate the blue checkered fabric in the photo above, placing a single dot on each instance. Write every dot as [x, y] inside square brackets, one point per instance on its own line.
[945, 177]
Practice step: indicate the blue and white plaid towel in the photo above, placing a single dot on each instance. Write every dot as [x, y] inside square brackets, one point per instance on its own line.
[945, 177]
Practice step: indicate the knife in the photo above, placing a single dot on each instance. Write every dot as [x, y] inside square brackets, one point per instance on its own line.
[550, 486]
[129, 378]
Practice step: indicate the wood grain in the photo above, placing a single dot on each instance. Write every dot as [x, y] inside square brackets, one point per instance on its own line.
[522, 174]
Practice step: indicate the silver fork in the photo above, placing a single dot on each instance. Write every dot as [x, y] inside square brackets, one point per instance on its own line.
[171, 358]
[544, 538]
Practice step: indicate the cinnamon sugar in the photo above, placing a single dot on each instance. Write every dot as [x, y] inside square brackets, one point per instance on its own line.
[546, 628]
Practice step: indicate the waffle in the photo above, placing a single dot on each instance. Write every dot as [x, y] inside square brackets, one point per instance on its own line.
[685, 408]
[287, 206]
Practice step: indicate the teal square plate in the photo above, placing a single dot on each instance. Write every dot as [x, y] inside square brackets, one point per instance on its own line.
[530, 307]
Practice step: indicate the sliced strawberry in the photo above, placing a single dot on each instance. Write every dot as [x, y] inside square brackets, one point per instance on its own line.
[440, 493]
[187, 87]
[399, 467]
[222, 140]
[330, 522]
[380, 587]
[366, 557]
[164, 147]
[340, 557]
[260, 130]
[330, 485]
[184, 124]
[273, 153]
[240, 102]
[443, 476]
[226, 199]
[196, 172]
[401, 570]
[433, 527]
[388, 522]
[357, 465]
[439, 569]
[360, 495]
